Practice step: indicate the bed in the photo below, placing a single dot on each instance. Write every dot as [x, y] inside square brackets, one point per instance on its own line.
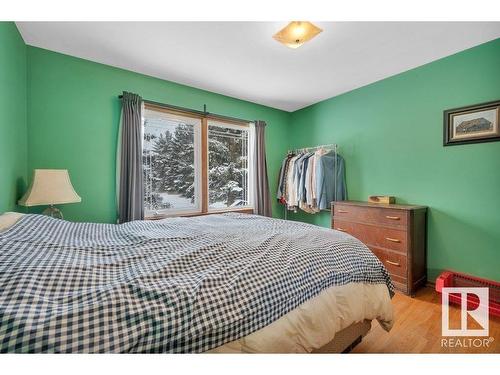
[226, 283]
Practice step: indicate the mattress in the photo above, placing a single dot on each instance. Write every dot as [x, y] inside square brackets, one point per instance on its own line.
[320, 324]
[183, 285]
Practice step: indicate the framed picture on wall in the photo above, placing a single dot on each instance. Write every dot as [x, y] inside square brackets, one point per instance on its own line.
[472, 124]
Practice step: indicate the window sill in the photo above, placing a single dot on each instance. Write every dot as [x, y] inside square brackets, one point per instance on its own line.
[248, 210]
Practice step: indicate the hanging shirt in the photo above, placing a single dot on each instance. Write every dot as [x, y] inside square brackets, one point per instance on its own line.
[309, 181]
[285, 180]
[314, 189]
[299, 170]
[328, 168]
[310, 185]
[280, 195]
[291, 196]
[303, 181]
[300, 177]
[304, 205]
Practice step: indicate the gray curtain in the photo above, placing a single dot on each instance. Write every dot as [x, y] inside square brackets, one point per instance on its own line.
[129, 160]
[262, 196]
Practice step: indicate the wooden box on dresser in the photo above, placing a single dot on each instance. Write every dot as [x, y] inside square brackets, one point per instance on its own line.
[395, 233]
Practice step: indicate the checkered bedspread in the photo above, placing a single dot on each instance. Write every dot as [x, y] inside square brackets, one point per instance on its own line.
[174, 285]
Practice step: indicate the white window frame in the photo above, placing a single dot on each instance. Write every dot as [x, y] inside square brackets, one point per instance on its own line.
[190, 120]
[251, 132]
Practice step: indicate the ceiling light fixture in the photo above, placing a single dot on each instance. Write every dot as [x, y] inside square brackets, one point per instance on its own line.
[297, 33]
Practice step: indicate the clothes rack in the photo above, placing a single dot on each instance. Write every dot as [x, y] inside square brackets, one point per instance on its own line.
[331, 147]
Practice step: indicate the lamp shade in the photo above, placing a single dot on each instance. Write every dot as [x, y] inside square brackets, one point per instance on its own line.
[48, 187]
[296, 33]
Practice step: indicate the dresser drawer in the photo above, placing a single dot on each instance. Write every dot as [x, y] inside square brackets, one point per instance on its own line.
[373, 215]
[395, 263]
[381, 237]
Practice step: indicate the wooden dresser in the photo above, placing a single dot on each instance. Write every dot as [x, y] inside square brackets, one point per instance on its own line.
[395, 233]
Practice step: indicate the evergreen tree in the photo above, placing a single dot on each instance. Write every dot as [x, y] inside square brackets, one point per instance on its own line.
[179, 174]
[226, 161]
[169, 165]
[161, 150]
[152, 200]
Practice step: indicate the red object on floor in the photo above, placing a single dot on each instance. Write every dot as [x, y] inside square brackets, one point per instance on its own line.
[450, 279]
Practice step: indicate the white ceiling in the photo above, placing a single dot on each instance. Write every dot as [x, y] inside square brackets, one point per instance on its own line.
[240, 59]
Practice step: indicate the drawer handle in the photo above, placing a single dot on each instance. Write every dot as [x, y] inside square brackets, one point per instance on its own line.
[342, 211]
[392, 217]
[341, 229]
[392, 239]
[393, 263]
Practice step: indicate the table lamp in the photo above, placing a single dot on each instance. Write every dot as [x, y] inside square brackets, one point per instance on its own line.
[50, 187]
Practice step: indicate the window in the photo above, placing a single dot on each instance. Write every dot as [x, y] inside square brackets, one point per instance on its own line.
[170, 163]
[194, 165]
[228, 172]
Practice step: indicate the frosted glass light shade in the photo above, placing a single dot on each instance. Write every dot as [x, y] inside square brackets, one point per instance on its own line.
[48, 187]
[297, 33]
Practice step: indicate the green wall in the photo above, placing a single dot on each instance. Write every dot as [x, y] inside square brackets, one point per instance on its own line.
[390, 134]
[74, 114]
[13, 131]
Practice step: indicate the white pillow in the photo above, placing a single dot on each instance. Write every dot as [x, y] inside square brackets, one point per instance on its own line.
[8, 219]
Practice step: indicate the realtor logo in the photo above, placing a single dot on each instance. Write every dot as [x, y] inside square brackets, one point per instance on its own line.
[479, 314]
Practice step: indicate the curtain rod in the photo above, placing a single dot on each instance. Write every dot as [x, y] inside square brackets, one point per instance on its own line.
[193, 111]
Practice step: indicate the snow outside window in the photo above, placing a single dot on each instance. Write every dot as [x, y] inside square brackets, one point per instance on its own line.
[228, 166]
[171, 153]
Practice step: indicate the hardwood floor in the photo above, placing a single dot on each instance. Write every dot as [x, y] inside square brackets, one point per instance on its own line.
[417, 328]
